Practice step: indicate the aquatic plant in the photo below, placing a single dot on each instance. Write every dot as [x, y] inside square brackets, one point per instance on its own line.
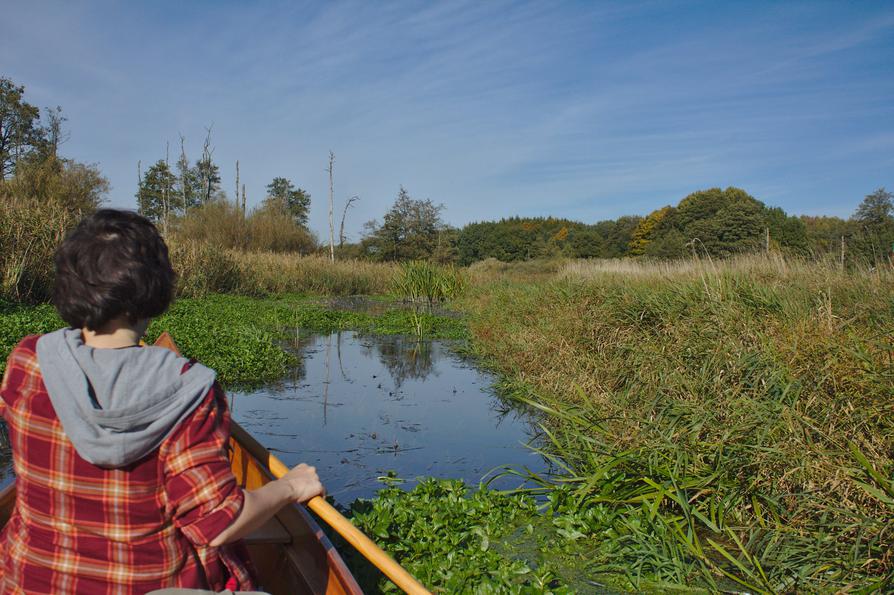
[420, 281]
[457, 540]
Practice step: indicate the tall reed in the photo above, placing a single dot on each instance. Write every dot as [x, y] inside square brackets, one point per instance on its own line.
[30, 230]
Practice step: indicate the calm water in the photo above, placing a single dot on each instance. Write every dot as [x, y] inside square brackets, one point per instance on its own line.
[359, 406]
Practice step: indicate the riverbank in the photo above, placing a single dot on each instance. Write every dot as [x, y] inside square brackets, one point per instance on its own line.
[723, 422]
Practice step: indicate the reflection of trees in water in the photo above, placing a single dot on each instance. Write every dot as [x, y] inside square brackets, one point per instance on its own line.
[407, 358]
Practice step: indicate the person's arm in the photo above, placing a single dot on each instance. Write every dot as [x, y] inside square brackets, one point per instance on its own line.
[204, 499]
[298, 485]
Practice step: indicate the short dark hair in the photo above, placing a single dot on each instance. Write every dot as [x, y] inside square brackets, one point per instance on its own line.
[113, 263]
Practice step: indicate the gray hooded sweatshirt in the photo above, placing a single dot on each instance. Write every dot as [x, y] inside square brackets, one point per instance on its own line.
[118, 405]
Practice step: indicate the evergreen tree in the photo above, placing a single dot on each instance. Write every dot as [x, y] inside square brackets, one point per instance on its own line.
[295, 201]
[206, 178]
[157, 196]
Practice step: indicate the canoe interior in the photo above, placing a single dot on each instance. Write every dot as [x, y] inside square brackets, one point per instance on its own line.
[290, 553]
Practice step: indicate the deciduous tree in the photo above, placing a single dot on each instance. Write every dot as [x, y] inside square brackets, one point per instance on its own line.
[20, 131]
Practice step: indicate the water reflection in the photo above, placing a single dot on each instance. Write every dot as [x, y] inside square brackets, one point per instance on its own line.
[358, 406]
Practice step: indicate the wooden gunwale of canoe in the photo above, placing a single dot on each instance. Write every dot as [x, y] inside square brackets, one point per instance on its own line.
[308, 563]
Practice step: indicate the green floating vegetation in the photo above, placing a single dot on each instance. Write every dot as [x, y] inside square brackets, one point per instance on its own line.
[18, 321]
[241, 337]
[456, 540]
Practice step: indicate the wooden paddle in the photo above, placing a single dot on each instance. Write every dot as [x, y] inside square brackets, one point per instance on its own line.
[363, 544]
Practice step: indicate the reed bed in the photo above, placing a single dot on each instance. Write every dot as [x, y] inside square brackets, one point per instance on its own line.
[30, 230]
[762, 266]
[728, 425]
[205, 269]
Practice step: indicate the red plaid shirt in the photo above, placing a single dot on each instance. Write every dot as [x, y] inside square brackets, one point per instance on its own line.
[79, 528]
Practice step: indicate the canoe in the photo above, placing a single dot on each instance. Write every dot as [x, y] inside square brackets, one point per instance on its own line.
[291, 554]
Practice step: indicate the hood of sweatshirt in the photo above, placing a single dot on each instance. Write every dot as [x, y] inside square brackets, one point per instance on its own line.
[118, 405]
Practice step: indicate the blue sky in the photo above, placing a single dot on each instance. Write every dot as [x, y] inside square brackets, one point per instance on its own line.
[583, 110]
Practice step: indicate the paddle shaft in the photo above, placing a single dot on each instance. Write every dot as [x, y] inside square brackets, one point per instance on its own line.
[363, 544]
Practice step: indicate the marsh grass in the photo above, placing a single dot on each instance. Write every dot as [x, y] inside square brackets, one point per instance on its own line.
[30, 230]
[733, 420]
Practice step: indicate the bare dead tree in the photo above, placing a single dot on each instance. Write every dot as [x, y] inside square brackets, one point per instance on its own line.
[236, 196]
[165, 199]
[140, 186]
[341, 231]
[331, 206]
[207, 152]
[243, 200]
[184, 166]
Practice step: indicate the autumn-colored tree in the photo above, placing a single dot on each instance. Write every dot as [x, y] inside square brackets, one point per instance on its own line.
[648, 230]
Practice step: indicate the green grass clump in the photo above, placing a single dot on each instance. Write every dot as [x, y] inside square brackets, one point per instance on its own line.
[721, 412]
[421, 281]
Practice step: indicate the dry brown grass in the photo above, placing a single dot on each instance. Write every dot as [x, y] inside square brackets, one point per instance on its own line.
[268, 272]
[30, 230]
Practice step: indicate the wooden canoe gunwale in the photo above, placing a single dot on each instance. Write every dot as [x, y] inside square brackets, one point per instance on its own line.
[328, 574]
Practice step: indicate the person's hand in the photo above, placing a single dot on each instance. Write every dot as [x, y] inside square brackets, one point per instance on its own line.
[304, 483]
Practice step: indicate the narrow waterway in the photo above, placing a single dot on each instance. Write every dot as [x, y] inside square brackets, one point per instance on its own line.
[359, 406]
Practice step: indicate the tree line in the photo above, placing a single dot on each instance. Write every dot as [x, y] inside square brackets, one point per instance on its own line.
[714, 222]
[189, 197]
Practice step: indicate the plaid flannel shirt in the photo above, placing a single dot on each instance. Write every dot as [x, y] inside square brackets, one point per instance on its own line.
[79, 528]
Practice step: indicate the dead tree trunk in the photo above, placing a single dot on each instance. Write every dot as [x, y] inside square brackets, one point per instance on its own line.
[184, 166]
[341, 230]
[207, 152]
[165, 198]
[331, 206]
[236, 196]
[140, 208]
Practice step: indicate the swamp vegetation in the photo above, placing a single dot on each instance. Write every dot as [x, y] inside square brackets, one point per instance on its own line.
[715, 426]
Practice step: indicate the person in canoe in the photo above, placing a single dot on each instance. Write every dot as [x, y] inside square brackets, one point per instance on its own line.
[123, 483]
